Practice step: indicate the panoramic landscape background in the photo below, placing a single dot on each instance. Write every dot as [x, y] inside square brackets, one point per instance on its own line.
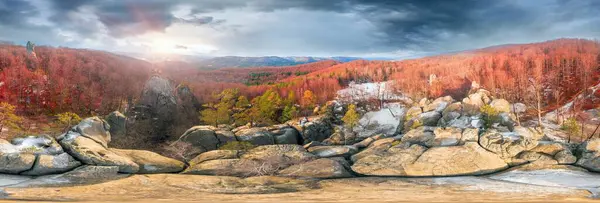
[299, 98]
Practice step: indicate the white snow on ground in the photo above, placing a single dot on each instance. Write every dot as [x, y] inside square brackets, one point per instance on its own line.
[6, 180]
[368, 91]
[473, 183]
[384, 121]
[554, 178]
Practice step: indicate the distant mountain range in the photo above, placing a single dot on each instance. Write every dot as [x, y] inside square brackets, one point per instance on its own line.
[204, 62]
[241, 62]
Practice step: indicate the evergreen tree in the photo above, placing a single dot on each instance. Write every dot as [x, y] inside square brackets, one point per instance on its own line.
[351, 117]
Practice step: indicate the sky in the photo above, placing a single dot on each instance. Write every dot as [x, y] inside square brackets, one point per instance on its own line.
[363, 28]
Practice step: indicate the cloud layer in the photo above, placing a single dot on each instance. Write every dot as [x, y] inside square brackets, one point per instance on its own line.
[403, 28]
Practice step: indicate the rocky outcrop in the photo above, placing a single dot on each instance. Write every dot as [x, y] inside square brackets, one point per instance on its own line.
[15, 163]
[163, 111]
[589, 157]
[35, 156]
[320, 168]
[88, 142]
[507, 144]
[150, 162]
[52, 164]
[317, 129]
[417, 161]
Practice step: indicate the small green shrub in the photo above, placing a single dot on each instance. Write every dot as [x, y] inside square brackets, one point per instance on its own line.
[238, 145]
[396, 143]
[571, 126]
[490, 115]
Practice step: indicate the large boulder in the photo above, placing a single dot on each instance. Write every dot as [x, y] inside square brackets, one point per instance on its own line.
[429, 118]
[389, 162]
[439, 104]
[316, 129]
[421, 135]
[151, 162]
[501, 105]
[474, 102]
[320, 168]
[589, 155]
[287, 135]
[52, 164]
[256, 136]
[341, 136]
[446, 137]
[204, 138]
[91, 152]
[417, 161]
[15, 163]
[507, 144]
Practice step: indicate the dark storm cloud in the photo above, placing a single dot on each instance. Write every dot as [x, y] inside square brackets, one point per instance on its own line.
[15, 12]
[414, 25]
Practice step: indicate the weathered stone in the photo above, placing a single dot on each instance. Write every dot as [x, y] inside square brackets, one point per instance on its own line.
[216, 154]
[316, 129]
[41, 144]
[565, 157]
[549, 148]
[589, 157]
[439, 104]
[287, 135]
[150, 162]
[391, 162]
[366, 142]
[446, 137]
[537, 158]
[117, 122]
[341, 136]
[469, 159]
[333, 151]
[430, 118]
[256, 136]
[473, 102]
[95, 129]
[469, 135]
[94, 151]
[420, 135]
[320, 168]
[52, 164]
[202, 137]
[14, 163]
[506, 145]
[500, 105]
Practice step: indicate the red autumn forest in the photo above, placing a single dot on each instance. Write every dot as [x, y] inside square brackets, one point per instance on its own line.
[86, 81]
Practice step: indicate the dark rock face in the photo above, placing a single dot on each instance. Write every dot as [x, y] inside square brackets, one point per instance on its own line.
[117, 122]
[163, 111]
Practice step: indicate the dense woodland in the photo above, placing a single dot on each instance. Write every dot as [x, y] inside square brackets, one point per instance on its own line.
[93, 82]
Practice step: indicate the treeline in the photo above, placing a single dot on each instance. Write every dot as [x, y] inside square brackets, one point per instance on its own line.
[266, 109]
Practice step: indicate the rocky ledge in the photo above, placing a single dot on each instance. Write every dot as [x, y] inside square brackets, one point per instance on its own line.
[435, 138]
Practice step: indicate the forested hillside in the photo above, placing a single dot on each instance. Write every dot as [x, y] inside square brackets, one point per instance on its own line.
[85, 81]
